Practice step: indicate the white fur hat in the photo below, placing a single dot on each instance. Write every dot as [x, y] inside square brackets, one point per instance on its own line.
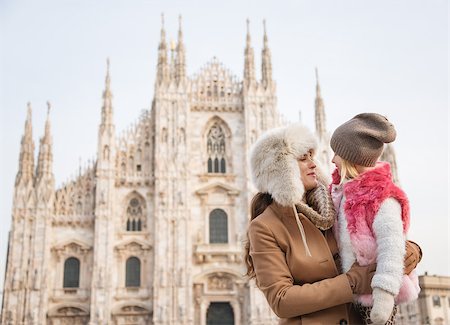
[273, 162]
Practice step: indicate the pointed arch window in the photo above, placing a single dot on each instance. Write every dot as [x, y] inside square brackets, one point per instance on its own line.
[135, 215]
[106, 152]
[139, 155]
[79, 206]
[131, 164]
[133, 272]
[216, 150]
[139, 160]
[71, 273]
[218, 227]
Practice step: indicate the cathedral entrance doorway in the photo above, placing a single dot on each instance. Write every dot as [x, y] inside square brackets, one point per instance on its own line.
[219, 298]
[220, 313]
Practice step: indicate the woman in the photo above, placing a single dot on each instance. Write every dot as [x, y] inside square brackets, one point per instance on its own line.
[291, 249]
[373, 214]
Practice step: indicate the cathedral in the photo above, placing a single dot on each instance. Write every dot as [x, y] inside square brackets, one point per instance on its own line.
[152, 231]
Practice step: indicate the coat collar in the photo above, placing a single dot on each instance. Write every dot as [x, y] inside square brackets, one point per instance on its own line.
[282, 211]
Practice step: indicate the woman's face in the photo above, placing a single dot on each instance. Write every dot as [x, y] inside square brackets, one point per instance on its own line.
[308, 171]
[337, 161]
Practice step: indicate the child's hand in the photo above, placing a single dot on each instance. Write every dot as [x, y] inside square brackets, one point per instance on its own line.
[383, 304]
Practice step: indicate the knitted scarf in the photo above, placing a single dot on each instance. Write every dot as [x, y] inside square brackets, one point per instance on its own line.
[319, 207]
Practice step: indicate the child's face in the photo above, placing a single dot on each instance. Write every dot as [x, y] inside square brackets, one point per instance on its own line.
[337, 161]
[308, 171]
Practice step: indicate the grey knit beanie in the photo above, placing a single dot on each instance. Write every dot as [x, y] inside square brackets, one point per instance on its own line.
[361, 139]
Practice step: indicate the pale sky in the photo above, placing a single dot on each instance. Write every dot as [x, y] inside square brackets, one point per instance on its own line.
[389, 57]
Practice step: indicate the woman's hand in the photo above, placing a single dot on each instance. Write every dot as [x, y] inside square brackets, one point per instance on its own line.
[360, 278]
[413, 256]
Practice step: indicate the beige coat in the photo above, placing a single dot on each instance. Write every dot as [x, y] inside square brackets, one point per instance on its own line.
[300, 289]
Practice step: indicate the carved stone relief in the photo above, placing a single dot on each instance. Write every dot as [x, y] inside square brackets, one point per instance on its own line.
[219, 283]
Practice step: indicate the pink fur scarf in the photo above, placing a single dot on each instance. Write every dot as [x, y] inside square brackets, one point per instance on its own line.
[364, 196]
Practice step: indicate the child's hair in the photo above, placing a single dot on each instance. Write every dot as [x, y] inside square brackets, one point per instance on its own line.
[348, 170]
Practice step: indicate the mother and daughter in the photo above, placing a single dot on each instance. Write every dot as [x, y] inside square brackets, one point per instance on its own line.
[330, 254]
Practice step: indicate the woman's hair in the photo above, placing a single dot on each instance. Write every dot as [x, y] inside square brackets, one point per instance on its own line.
[259, 203]
[348, 170]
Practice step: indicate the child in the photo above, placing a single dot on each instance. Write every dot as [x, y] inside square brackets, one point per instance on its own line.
[372, 215]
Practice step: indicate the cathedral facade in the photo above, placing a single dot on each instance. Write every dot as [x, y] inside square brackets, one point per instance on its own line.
[151, 232]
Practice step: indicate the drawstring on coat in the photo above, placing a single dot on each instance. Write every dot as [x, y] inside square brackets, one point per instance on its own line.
[302, 231]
